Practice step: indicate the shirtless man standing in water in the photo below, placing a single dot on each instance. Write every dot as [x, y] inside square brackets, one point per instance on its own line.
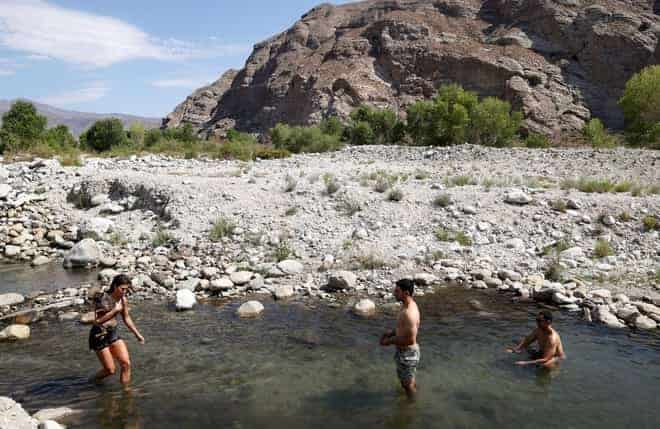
[404, 337]
[550, 352]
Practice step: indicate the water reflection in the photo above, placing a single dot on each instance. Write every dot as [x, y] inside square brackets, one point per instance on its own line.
[120, 410]
[295, 367]
[46, 278]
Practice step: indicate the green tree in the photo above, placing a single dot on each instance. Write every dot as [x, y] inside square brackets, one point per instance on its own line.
[641, 107]
[493, 123]
[384, 124]
[104, 134]
[444, 120]
[59, 137]
[152, 137]
[24, 123]
[361, 133]
[332, 126]
[536, 141]
[136, 133]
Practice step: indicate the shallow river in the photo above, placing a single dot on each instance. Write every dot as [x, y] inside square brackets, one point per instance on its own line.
[305, 365]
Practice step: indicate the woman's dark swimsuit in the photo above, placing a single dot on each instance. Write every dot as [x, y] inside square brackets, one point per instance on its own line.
[100, 337]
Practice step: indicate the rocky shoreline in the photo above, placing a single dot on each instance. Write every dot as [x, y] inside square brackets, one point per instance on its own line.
[350, 222]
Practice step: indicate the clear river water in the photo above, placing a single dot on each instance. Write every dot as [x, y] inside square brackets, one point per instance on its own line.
[304, 364]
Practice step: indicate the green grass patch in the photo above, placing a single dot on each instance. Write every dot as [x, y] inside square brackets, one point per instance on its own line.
[332, 185]
[162, 237]
[290, 183]
[650, 223]
[442, 200]
[222, 227]
[624, 216]
[444, 234]
[282, 251]
[463, 180]
[349, 206]
[559, 205]
[370, 261]
[395, 194]
[603, 248]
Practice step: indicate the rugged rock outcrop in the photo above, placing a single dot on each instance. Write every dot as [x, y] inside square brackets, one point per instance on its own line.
[560, 62]
[198, 107]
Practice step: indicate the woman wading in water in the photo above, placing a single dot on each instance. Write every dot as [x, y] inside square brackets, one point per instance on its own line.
[103, 337]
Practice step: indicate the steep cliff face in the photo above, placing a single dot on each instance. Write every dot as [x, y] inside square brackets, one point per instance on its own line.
[560, 62]
[198, 107]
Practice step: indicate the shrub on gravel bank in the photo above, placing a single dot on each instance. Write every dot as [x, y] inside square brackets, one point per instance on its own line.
[305, 139]
[641, 108]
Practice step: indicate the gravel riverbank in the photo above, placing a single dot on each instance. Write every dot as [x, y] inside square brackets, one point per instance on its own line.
[349, 222]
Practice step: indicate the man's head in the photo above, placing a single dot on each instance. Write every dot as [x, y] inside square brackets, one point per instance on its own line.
[544, 319]
[404, 287]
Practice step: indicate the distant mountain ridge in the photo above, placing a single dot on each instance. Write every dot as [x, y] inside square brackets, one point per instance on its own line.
[80, 121]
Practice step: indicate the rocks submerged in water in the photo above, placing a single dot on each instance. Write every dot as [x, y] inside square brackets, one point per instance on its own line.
[15, 332]
[53, 414]
[365, 307]
[250, 309]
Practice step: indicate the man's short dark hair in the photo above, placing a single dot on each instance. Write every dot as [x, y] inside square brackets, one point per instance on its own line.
[406, 285]
[547, 315]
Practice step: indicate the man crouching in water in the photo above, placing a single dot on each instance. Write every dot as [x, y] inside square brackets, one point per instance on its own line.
[550, 352]
[404, 337]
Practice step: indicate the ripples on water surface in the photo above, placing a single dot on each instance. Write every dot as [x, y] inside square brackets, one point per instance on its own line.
[300, 367]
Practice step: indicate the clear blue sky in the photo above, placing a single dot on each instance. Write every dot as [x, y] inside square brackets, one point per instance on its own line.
[140, 56]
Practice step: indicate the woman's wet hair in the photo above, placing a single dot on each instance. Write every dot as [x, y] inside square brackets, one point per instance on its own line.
[406, 285]
[118, 280]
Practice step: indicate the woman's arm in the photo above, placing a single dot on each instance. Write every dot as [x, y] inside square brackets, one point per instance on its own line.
[129, 322]
[100, 320]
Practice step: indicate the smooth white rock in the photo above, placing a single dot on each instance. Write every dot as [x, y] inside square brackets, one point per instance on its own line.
[185, 300]
[365, 307]
[250, 309]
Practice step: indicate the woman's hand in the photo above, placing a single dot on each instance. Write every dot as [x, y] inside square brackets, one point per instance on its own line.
[140, 338]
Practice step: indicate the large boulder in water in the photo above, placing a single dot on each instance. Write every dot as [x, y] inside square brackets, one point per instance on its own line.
[15, 332]
[250, 309]
[185, 300]
[83, 254]
[13, 416]
[365, 307]
[11, 299]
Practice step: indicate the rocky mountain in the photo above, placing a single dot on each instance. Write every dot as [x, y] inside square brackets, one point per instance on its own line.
[80, 121]
[560, 62]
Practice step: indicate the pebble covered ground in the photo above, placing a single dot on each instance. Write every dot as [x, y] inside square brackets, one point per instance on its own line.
[571, 228]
